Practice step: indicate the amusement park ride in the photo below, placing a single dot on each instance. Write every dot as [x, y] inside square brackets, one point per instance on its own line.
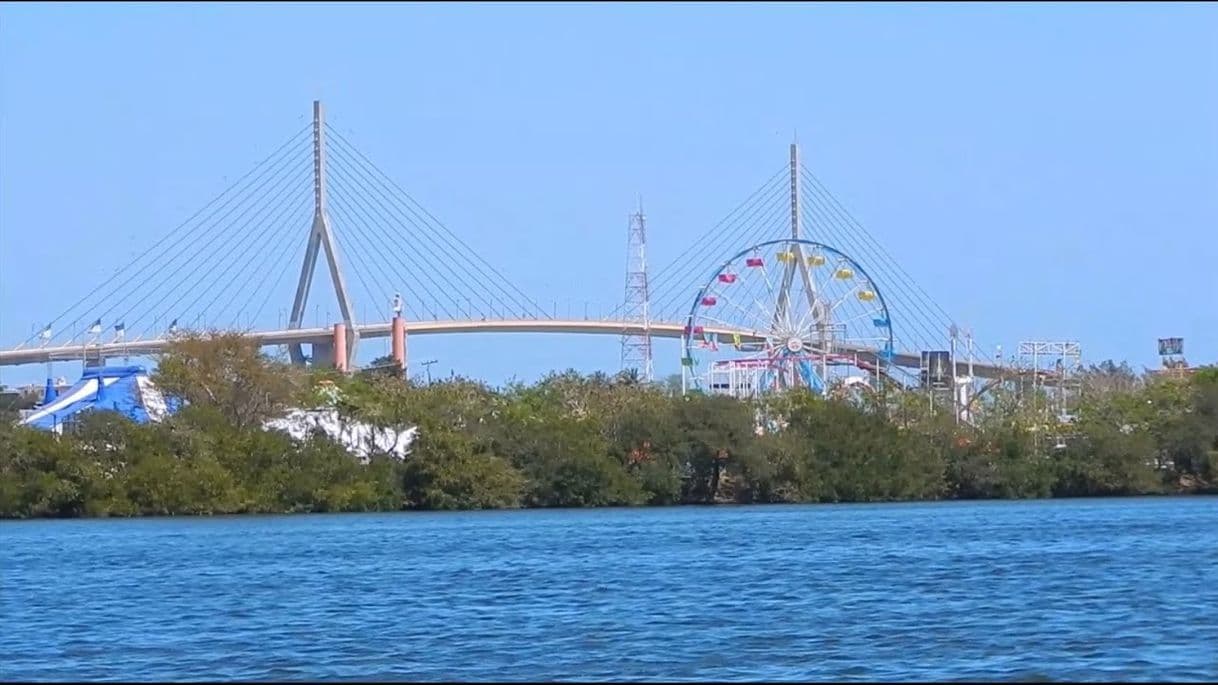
[804, 314]
[791, 307]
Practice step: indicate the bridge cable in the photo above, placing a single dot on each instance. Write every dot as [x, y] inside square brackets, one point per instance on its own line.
[502, 280]
[289, 226]
[817, 215]
[448, 263]
[421, 271]
[762, 195]
[303, 218]
[172, 233]
[908, 319]
[252, 244]
[168, 265]
[202, 317]
[262, 270]
[777, 220]
[761, 229]
[695, 254]
[182, 248]
[677, 273]
[365, 251]
[758, 220]
[289, 259]
[367, 175]
[378, 222]
[403, 269]
[282, 191]
[901, 294]
[174, 278]
[489, 293]
[354, 248]
[849, 217]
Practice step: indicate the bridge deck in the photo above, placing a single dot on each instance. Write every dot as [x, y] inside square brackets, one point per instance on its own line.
[33, 355]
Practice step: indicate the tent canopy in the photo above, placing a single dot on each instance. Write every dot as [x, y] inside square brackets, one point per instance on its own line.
[123, 389]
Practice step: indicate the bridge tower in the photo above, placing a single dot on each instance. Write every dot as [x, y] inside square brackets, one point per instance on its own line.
[636, 349]
[321, 236]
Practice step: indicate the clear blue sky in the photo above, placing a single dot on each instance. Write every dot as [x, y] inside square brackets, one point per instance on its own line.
[1068, 153]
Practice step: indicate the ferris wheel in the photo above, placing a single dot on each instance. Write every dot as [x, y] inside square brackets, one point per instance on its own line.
[786, 314]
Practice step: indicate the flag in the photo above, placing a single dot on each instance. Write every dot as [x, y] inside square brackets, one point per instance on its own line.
[120, 329]
[95, 328]
[46, 333]
[173, 326]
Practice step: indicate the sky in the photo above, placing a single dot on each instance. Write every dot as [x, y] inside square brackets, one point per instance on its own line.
[1043, 171]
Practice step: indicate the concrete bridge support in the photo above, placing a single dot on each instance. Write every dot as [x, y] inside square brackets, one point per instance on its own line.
[398, 335]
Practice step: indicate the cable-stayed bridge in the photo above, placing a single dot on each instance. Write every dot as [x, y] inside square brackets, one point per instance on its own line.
[788, 289]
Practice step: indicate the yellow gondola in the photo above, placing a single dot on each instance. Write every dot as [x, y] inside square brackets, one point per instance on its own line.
[844, 273]
[786, 256]
[866, 295]
[816, 260]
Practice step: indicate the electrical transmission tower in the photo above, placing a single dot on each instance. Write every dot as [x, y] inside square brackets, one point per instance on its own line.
[636, 349]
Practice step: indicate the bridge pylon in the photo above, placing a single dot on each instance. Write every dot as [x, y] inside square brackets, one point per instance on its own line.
[321, 236]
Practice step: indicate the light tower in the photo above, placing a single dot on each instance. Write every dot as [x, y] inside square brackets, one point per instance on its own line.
[322, 236]
[636, 348]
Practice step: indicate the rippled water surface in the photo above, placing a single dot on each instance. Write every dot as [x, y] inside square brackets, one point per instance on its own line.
[1077, 589]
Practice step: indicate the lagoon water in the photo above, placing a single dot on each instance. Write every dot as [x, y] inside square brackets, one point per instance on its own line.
[1105, 589]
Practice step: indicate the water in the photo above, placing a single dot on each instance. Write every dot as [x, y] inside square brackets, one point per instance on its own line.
[1079, 589]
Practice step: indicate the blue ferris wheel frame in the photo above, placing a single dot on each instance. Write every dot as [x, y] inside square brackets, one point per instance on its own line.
[883, 356]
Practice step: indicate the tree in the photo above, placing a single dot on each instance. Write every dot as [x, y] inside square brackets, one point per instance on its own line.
[1108, 377]
[384, 366]
[447, 472]
[228, 372]
[672, 384]
[715, 431]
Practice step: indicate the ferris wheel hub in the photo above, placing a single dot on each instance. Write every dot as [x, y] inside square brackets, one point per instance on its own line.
[795, 344]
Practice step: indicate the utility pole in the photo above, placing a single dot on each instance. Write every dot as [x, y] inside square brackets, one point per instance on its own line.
[427, 365]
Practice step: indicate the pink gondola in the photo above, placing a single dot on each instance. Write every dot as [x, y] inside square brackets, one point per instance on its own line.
[754, 261]
[696, 330]
[727, 278]
[709, 301]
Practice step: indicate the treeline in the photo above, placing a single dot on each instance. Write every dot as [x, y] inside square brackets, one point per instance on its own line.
[580, 441]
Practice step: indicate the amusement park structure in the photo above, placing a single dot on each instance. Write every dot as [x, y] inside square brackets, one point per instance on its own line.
[799, 295]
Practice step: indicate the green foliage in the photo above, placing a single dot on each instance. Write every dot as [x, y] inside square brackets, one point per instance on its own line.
[447, 472]
[577, 441]
[228, 373]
